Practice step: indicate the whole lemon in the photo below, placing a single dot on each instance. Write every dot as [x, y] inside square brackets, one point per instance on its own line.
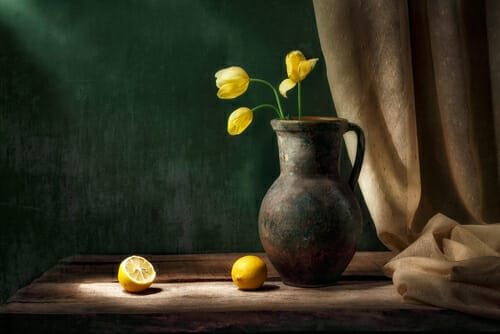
[249, 272]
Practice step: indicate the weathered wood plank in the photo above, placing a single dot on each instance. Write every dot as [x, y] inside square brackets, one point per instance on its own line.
[204, 297]
[213, 306]
[247, 321]
[194, 293]
[190, 267]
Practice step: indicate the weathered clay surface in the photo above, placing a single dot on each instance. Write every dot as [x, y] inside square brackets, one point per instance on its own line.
[309, 220]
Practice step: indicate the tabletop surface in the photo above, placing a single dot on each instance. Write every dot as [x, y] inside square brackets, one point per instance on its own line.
[195, 293]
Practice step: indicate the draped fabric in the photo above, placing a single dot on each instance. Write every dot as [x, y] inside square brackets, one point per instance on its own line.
[422, 78]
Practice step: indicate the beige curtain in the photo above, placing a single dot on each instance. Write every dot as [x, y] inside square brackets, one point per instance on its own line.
[422, 78]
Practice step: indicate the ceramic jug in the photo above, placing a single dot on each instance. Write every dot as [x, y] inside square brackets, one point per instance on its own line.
[309, 219]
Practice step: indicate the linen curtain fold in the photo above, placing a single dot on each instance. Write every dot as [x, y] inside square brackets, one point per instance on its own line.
[422, 78]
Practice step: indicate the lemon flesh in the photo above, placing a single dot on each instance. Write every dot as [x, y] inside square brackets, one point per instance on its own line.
[136, 274]
[249, 272]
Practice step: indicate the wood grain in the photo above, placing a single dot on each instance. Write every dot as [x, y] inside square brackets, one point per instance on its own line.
[194, 293]
[86, 298]
[191, 267]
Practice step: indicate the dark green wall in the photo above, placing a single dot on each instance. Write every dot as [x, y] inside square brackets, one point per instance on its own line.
[112, 139]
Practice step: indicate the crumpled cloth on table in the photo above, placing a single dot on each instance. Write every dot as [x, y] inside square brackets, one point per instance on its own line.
[451, 266]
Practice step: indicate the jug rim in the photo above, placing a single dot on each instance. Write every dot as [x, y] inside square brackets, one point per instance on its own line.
[310, 123]
[307, 119]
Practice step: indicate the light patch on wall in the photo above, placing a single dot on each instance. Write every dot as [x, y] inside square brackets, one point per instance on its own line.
[28, 23]
[49, 40]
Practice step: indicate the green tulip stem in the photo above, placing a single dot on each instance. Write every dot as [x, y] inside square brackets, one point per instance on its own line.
[260, 106]
[299, 102]
[280, 109]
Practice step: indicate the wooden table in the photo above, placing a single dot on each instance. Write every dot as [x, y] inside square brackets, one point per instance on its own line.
[195, 293]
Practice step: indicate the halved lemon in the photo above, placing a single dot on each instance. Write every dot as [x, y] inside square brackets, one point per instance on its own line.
[136, 274]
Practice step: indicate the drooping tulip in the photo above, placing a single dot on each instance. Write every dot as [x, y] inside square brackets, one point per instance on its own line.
[232, 82]
[239, 120]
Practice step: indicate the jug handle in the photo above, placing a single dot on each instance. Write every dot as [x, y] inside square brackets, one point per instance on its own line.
[360, 153]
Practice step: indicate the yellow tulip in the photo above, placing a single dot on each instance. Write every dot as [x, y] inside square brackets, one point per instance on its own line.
[232, 82]
[239, 120]
[297, 69]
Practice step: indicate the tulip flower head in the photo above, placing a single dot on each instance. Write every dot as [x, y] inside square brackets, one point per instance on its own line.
[234, 81]
[297, 68]
[239, 120]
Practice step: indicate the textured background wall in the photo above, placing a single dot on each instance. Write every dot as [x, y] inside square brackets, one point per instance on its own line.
[112, 139]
